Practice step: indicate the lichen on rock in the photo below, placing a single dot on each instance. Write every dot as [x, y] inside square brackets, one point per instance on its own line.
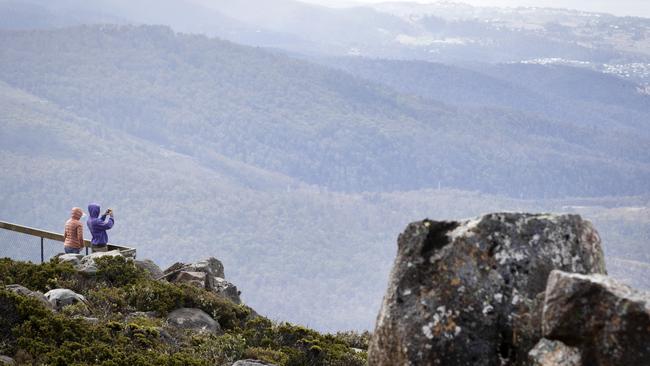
[607, 321]
[456, 288]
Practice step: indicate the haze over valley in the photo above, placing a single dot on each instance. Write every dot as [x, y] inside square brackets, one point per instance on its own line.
[294, 141]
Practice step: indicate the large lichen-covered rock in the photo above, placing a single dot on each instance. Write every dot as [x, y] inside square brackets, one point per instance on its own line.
[554, 353]
[193, 319]
[608, 321]
[456, 287]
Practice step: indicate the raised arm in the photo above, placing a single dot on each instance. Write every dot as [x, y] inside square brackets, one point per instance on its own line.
[104, 225]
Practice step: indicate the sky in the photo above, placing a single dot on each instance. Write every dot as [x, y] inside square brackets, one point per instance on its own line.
[639, 8]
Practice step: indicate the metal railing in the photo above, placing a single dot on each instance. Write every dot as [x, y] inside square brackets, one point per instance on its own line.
[48, 235]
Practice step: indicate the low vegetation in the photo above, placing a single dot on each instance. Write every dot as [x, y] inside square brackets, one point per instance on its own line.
[123, 323]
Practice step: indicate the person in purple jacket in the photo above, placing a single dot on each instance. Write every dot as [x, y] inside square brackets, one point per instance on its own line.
[98, 226]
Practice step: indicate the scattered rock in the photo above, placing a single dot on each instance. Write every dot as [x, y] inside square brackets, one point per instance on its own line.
[208, 274]
[74, 259]
[554, 353]
[27, 292]
[173, 269]
[62, 297]
[252, 363]
[456, 287]
[606, 320]
[211, 266]
[193, 319]
[6, 360]
[150, 267]
[226, 289]
[193, 278]
[88, 265]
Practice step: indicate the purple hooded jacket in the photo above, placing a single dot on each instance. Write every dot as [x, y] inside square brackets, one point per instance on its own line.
[98, 226]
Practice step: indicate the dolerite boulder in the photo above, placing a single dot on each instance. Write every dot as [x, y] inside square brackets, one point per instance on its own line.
[193, 319]
[192, 278]
[21, 290]
[208, 273]
[6, 360]
[62, 297]
[456, 288]
[607, 321]
[88, 265]
[226, 289]
[554, 353]
[74, 259]
[151, 268]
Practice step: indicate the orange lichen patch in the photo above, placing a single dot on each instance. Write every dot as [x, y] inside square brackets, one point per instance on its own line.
[448, 327]
[455, 281]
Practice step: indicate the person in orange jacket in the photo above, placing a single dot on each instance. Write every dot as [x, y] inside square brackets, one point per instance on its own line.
[74, 232]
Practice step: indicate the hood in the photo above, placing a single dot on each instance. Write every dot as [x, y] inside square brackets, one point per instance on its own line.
[93, 210]
[76, 213]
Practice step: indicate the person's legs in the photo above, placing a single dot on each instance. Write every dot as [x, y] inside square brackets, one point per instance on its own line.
[97, 249]
[70, 250]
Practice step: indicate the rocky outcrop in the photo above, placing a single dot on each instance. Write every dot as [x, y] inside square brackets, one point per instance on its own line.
[193, 319]
[192, 278]
[226, 289]
[607, 321]
[149, 267]
[208, 274]
[468, 293]
[6, 360]
[21, 290]
[62, 297]
[211, 266]
[554, 353]
[88, 265]
[74, 259]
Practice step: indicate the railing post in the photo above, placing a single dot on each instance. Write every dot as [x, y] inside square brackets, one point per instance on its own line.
[42, 254]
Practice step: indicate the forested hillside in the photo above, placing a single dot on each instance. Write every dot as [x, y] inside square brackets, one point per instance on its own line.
[298, 176]
[318, 125]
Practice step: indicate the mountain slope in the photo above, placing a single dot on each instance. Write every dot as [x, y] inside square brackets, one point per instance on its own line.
[311, 123]
[605, 104]
[297, 252]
